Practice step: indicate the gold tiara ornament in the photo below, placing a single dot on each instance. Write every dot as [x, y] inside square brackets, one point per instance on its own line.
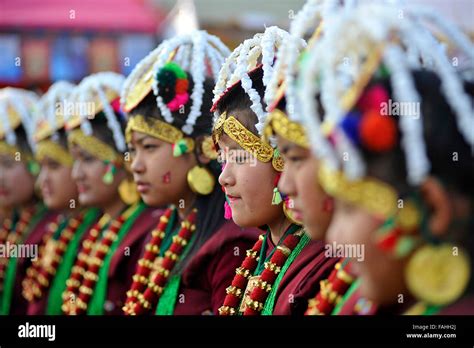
[7, 149]
[155, 128]
[247, 140]
[94, 146]
[51, 149]
[372, 194]
[279, 123]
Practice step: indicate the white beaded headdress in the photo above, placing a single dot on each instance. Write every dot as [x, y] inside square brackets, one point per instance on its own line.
[403, 40]
[22, 102]
[50, 103]
[198, 52]
[97, 87]
[261, 49]
[310, 17]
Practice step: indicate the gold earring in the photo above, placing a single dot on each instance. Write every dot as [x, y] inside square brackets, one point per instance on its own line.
[289, 214]
[128, 192]
[438, 275]
[201, 180]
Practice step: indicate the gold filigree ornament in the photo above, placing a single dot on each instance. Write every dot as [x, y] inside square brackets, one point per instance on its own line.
[94, 146]
[157, 129]
[208, 148]
[201, 180]
[128, 192]
[279, 123]
[438, 275]
[373, 195]
[53, 150]
[247, 140]
[139, 91]
[7, 149]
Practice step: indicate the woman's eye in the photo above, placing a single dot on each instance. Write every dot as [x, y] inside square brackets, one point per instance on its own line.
[149, 146]
[88, 158]
[295, 158]
[53, 165]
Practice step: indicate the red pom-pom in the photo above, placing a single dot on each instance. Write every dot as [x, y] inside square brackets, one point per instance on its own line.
[181, 86]
[373, 98]
[378, 133]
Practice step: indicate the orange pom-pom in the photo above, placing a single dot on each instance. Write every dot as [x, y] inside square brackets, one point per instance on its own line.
[378, 133]
[181, 86]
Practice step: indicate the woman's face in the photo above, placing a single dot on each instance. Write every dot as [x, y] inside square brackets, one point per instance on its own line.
[308, 201]
[381, 275]
[58, 188]
[161, 178]
[248, 184]
[17, 185]
[87, 173]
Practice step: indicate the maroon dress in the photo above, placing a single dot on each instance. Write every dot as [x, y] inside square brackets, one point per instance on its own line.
[300, 283]
[123, 263]
[212, 269]
[464, 306]
[19, 305]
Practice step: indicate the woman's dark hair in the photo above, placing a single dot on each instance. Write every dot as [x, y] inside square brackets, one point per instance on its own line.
[22, 141]
[101, 130]
[237, 103]
[210, 207]
[60, 137]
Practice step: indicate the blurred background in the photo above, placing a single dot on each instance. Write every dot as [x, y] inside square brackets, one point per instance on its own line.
[42, 41]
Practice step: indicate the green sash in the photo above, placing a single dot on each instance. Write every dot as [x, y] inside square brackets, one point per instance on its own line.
[58, 284]
[96, 303]
[10, 272]
[270, 302]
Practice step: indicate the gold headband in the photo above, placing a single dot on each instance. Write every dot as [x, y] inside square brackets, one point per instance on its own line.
[51, 149]
[13, 150]
[169, 133]
[7, 149]
[94, 146]
[279, 123]
[374, 195]
[158, 129]
[247, 140]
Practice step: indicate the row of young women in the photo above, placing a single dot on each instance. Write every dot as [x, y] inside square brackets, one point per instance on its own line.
[211, 182]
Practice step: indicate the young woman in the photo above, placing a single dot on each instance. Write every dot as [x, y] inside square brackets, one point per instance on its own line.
[28, 219]
[404, 143]
[307, 201]
[46, 277]
[102, 270]
[290, 266]
[189, 259]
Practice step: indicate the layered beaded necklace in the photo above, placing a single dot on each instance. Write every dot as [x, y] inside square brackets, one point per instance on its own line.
[13, 236]
[153, 271]
[43, 269]
[84, 274]
[261, 286]
[331, 290]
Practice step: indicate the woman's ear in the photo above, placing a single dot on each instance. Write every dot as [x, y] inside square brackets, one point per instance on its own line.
[437, 199]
